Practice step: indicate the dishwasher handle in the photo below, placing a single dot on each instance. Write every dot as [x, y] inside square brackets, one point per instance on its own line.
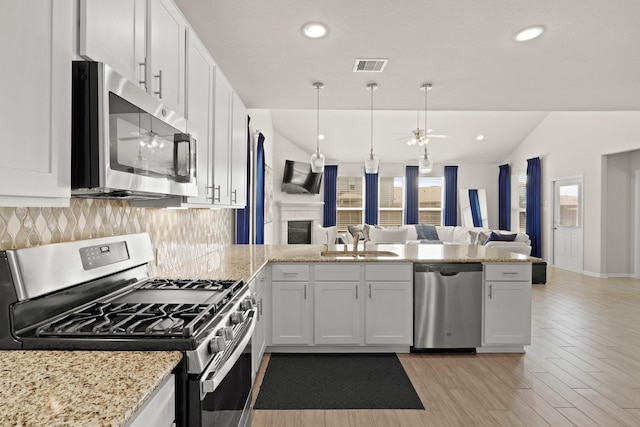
[448, 269]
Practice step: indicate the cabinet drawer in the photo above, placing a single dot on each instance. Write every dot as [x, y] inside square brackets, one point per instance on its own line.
[508, 271]
[286, 272]
[389, 272]
[337, 272]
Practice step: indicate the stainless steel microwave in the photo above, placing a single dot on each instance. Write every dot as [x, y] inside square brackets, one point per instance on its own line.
[126, 144]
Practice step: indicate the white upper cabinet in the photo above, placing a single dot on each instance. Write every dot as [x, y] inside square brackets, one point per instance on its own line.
[200, 77]
[115, 32]
[35, 82]
[142, 40]
[166, 53]
[238, 164]
[230, 146]
[222, 141]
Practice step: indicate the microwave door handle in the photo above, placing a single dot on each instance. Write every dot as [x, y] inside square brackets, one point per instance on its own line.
[177, 140]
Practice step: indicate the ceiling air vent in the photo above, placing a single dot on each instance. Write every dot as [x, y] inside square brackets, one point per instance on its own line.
[369, 65]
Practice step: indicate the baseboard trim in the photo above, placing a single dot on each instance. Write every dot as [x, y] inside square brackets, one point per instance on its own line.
[608, 275]
[337, 349]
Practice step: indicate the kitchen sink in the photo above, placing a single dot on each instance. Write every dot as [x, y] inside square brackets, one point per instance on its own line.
[363, 254]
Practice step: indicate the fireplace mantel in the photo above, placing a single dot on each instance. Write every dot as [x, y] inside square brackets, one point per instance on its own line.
[298, 211]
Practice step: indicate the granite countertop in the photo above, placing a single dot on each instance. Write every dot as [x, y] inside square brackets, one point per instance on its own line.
[78, 388]
[244, 261]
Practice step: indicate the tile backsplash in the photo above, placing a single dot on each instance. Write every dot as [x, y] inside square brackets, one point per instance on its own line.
[177, 235]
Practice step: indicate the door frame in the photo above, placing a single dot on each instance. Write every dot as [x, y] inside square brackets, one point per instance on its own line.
[553, 216]
[636, 222]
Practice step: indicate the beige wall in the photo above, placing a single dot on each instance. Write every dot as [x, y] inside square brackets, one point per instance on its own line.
[177, 235]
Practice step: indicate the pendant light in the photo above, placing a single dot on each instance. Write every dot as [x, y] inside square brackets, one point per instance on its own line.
[371, 162]
[425, 162]
[317, 158]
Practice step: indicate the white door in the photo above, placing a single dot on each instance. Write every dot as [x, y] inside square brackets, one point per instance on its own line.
[567, 224]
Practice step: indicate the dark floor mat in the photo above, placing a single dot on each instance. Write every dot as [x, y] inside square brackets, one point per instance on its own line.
[336, 381]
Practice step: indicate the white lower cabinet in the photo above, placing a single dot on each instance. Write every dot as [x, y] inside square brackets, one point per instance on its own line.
[506, 306]
[259, 340]
[337, 306]
[290, 313]
[389, 304]
[291, 304]
[337, 313]
[159, 409]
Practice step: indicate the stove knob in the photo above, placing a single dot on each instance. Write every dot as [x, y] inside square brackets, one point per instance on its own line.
[217, 344]
[247, 304]
[237, 317]
[227, 333]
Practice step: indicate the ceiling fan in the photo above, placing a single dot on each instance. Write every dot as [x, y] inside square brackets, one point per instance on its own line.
[421, 136]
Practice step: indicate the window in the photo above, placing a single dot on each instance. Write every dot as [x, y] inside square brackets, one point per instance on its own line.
[522, 203]
[349, 206]
[430, 200]
[390, 206]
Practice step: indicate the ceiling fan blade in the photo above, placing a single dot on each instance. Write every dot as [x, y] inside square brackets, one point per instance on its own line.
[130, 138]
[437, 136]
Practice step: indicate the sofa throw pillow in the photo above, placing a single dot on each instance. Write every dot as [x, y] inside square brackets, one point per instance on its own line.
[378, 235]
[426, 232]
[483, 236]
[497, 237]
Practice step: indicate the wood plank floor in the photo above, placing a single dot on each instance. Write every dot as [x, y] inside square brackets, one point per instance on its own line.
[581, 369]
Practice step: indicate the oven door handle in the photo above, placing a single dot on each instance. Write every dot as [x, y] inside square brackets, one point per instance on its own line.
[212, 378]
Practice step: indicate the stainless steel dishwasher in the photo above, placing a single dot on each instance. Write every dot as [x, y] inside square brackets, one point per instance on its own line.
[447, 306]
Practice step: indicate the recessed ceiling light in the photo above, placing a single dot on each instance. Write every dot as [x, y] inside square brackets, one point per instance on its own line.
[529, 33]
[480, 137]
[314, 30]
[320, 137]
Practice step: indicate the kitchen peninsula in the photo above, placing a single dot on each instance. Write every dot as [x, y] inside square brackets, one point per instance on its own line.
[292, 313]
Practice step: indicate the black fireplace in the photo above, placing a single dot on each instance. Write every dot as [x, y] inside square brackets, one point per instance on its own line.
[299, 232]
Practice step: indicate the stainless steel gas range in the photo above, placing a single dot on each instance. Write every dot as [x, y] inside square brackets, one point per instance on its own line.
[97, 295]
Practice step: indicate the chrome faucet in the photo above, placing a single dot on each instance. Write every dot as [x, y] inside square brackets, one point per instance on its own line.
[356, 240]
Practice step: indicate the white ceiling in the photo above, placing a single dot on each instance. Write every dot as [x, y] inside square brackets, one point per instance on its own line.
[484, 82]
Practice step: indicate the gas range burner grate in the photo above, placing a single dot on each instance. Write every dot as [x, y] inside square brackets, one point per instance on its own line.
[131, 319]
[209, 285]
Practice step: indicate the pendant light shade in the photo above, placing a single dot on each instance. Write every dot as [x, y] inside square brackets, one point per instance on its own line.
[317, 158]
[371, 162]
[425, 161]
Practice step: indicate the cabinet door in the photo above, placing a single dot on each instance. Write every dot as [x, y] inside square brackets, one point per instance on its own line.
[389, 313]
[35, 82]
[199, 113]
[507, 313]
[291, 313]
[259, 343]
[114, 32]
[221, 141]
[239, 153]
[166, 58]
[338, 312]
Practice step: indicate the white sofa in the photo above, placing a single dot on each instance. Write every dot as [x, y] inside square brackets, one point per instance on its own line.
[447, 235]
